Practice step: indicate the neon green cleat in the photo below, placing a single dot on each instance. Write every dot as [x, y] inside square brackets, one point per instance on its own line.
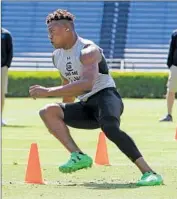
[150, 179]
[76, 162]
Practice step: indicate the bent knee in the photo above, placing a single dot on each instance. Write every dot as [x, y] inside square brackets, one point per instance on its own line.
[51, 110]
[109, 121]
[109, 124]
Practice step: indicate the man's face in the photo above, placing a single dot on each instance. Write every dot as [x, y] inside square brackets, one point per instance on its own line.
[57, 34]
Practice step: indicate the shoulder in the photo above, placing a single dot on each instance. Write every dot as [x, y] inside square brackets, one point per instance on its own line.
[56, 52]
[89, 45]
[55, 56]
[90, 54]
[85, 41]
[174, 33]
[5, 31]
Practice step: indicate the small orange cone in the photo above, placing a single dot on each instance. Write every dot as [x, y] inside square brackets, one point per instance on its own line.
[33, 172]
[101, 153]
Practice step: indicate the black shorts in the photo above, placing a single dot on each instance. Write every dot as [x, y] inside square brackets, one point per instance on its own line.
[86, 115]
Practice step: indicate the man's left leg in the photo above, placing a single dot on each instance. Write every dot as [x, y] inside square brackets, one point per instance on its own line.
[111, 109]
[125, 143]
[170, 97]
[4, 82]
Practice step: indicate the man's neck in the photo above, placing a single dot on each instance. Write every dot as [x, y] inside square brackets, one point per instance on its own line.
[71, 42]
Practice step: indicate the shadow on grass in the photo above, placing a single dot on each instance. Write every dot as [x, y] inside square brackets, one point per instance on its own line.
[104, 186]
[16, 126]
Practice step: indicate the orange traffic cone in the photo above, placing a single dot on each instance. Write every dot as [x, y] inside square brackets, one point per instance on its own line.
[176, 134]
[101, 153]
[33, 172]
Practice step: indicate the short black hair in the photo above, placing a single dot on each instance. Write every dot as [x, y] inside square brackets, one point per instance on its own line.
[60, 15]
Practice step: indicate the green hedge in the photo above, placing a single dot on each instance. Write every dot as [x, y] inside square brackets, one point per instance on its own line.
[129, 84]
[141, 85]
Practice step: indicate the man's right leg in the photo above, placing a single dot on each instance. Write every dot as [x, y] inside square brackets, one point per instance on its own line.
[170, 101]
[170, 97]
[53, 116]
[4, 82]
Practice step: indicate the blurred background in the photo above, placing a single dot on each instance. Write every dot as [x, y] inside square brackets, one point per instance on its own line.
[134, 35]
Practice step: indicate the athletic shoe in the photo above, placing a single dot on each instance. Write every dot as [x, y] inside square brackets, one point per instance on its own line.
[167, 118]
[76, 162]
[150, 179]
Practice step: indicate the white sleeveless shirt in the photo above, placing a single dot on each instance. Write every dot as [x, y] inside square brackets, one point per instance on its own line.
[69, 64]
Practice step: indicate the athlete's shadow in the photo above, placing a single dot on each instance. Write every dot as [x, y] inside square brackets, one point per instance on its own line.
[104, 186]
[16, 126]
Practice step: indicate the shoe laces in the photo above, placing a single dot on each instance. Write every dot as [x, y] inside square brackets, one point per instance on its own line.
[74, 157]
[146, 174]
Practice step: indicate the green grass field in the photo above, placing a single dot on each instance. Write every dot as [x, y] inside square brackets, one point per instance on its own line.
[140, 120]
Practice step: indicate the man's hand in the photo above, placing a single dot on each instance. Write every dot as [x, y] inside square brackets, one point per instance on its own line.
[38, 91]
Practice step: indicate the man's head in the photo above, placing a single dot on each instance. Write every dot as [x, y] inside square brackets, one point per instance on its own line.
[60, 25]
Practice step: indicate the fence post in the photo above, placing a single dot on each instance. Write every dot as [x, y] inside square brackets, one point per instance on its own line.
[122, 63]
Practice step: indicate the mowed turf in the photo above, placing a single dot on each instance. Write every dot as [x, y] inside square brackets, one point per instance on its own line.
[140, 120]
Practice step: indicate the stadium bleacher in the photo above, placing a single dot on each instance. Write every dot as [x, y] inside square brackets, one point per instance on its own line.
[31, 45]
[149, 28]
[134, 35]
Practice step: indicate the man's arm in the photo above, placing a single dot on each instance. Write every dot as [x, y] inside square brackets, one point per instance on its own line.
[90, 57]
[9, 50]
[171, 52]
[66, 99]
